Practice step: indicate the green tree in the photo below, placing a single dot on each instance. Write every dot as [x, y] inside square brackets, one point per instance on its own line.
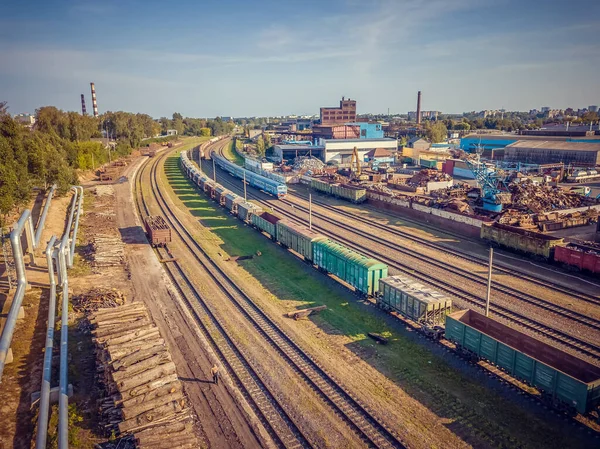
[260, 146]
[436, 132]
[268, 143]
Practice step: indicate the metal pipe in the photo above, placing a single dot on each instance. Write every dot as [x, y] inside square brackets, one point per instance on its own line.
[63, 398]
[11, 319]
[40, 226]
[489, 283]
[42, 428]
[74, 238]
[62, 263]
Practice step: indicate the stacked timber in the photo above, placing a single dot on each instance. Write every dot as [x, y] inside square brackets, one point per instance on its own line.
[107, 251]
[143, 395]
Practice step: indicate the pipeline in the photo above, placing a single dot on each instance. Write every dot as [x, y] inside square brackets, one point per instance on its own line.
[63, 398]
[24, 224]
[42, 430]
[74, 238]
[40, 226]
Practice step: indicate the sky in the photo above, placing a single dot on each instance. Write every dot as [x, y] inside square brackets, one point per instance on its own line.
[257, 58]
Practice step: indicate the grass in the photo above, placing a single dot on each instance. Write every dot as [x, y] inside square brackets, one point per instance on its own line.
[477, 414]
[233, 155]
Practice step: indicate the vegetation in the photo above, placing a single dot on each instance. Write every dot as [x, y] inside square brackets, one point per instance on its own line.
[195, 126]
[436, 131]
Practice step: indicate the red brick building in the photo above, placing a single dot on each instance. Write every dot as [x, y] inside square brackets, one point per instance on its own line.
[344, 114]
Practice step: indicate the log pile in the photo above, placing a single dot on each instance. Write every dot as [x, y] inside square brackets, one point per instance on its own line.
[143, 395]
[97, 298]
[107, 251]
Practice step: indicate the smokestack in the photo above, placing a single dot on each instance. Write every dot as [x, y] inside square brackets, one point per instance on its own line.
[94, 104]
[419, 108]
[83, 111]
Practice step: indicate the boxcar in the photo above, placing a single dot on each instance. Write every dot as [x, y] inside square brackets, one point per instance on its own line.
[528, 242]
[348, 192]
[297, 237]
[351, 267]
[220, 193]
[159, 232]
[413, 300]
[321, 185]
[265, 222]
[564, 379]
[246, 210]
[231, 202]
[579, 256]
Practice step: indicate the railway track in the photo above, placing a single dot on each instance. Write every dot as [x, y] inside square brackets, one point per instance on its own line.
[557, 335]
[356, 415]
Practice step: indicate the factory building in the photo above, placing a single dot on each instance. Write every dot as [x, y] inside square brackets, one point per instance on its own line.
[340, 150]
[291, 151]
[427, 115]
[349, 131]
[549, 152]
[345, 113]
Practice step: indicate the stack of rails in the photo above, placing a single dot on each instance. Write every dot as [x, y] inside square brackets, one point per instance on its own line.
[158, 230]
[143, 395]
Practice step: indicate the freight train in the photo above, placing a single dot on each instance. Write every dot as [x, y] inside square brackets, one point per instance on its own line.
[566, 382]
[543, 246]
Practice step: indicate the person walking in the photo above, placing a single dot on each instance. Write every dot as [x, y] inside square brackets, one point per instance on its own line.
[215, 374]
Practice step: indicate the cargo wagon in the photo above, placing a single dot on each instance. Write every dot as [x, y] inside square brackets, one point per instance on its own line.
[231, 202]
[246, 210]
[564, 379]
[158, 230]
[297, 237]
[529, 242]
[265, 222]
[413, 300]
[353, 268]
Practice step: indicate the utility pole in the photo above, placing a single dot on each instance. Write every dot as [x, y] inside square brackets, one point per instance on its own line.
[310, 211]
[245, 199]
[489, 283]
[214, 171]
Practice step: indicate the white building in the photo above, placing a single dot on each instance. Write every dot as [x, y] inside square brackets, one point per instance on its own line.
[25, 119]
[340, 150]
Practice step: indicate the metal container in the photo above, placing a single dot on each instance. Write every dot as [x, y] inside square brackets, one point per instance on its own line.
[231, 202]
[579, 256]
[351, 267]
[297, 237]
[246, 210]
[413, 300]
[265, 222]
[529, 242]
[562, 378]
[349, 192]
[220, 193]
[320, 185]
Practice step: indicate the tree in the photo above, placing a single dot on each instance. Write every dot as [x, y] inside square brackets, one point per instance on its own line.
[260, 146]
[268, 143]
[436, 132]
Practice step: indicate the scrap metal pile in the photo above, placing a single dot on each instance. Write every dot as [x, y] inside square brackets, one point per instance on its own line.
[308, 164]
[529, 197]
[421, 178]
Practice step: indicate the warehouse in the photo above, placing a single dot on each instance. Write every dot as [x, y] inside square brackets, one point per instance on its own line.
[549, 152]
[291, 151]
[340, 150]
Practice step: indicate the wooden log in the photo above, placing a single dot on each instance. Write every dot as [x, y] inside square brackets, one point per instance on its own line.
[137, 356]
[136, 410]
[159, 391]
[150, 386]
[148, 376]
[183, 441]
[158, 432]
[108, 311]
[296, 314]
[140, 367]
[104, 333]
[118, 352]
[162, 412]
[144, 333]
[122, 317]
[170, 419]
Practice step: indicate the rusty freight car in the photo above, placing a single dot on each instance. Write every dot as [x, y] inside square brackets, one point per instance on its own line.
[159, 232]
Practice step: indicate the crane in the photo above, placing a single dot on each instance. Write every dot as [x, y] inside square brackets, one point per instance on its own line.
[488, 181]
[354, 158]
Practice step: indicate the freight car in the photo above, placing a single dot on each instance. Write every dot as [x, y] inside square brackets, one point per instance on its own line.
[265, 222]
[349, 192]
[231, 202]
[220, 193]
[528, 242]
[353, 268]
[158, 231]
[297, 237]
[271, 186]
[246, 210]
[413, 300]
[576, 255]
[564, 380]
[321, 185]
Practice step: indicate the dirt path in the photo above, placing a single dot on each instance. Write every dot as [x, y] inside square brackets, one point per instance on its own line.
[224, 422]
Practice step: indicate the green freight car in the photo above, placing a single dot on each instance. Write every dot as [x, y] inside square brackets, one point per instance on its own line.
[297, 237]
[348, 192]
[529, 242]
[265, 222]
[563, 379]
[413, 300]
[321, 185]
[246, 210]
[351, 267]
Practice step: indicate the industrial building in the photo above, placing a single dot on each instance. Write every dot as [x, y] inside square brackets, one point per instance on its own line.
[349, 131]
[290, 151]
[340, 150]
[427, 115]
[345, 113]
[548, 152]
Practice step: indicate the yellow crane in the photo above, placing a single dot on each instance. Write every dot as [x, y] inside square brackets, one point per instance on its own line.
[357, 172]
